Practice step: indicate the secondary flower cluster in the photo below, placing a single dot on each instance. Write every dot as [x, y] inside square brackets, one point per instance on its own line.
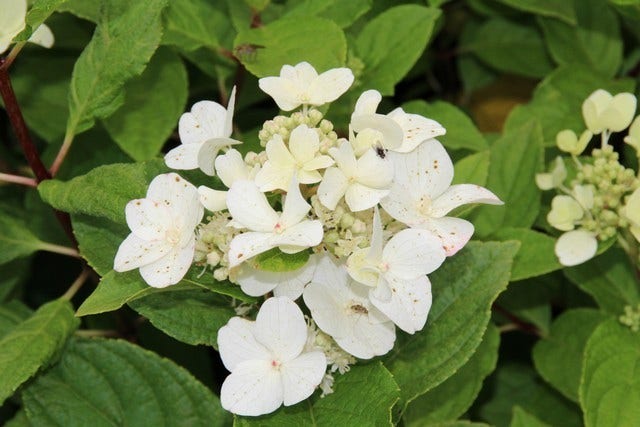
[602, 198]
[346, 229]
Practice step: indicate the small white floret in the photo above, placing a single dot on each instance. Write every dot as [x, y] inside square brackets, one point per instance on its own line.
[575, 247]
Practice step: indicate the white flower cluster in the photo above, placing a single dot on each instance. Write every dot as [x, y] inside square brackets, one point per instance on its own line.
[603, 199]
[356, 224]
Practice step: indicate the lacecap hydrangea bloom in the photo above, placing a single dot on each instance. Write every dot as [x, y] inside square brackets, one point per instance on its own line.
[344, 228]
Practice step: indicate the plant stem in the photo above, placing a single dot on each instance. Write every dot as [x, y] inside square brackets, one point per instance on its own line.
[92, 333]
[64, 150]
[13, 54]
[59, 249]
[18, 179]
[77, 284]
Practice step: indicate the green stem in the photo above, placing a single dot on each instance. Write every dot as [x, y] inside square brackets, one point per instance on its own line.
[18, 179]
[77, 284]
[59, 249]
[62, 153]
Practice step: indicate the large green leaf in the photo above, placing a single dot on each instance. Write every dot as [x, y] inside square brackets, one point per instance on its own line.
[102, 192]
[463, 288]
[529, 301]
[515, 159]
[153, 104]
[12, 274]
[363, 396]
[342, 12]
[33, 343]
[472, 169]
[126, 37]
[563, 10]
[391, 43]
[536, 255]
[190, 316]
[510, 47]
[16, 238]
[11, 314]
[264, 50]
[610, 383]
[610, 279]
[190, 24]
[522, 418]
[461, 132]
[113, 382]
[453, 397]
[557, 101]
[595, 41]
[558, 357]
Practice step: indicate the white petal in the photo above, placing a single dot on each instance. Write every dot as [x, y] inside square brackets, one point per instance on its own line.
[205, 121]
[237, 344]
[283, 91]
[593, 107]
[214, 200]
[209, 151]
[416, 129]
[135, 252]
[620, 112]
[148, 219]
[373, 171]
[575, 247]
[344, 157]
[375, 250]
[183, 157]
[409, 305]
[360, 197]
[462, 194]
[274, 177]
[304, 73]
[171, 268]
[362, 268]
[301, 376]
[230, 167]
[253, 389]
[42, 36]
[303, 235]
[365, 338]
[401, 205]
[453, 232]
[249, 207]
[247, 245]
[172, 190]
[295, 208]
[304, 143]
[413, 253]
[390, 130]
[228, 122]
[281, 328]
[328, 86]
[367, 103]
[333, 186]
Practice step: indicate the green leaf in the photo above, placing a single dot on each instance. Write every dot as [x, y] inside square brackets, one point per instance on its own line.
[557, 101]
[342, 12]
[11, 314]
[510, 47]
[113, 382]
[16, 239]
[536, 255]
[515, 159]
[101, 192]
[610, 384]
[391, 43]
[558, 357]
[461, 132]
[153, 104]
[364, 395]
[278, 261]
[39, 11]
[98, 240]
[34, 343]
[126, 37]
[191, 24]
[563, 10]
[609, 279]
[516, 384]
[522, 418]
[12, 274]
[472, 169]
[463, 288]
[190, 316]
[528, 300]
[595, 41]
[454, 396]
[264, 50]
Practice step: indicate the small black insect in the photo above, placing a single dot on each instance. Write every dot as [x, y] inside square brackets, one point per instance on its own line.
[381, 152]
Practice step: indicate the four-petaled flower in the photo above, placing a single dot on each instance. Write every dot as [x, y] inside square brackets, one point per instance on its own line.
[162, 239]
[266, 359]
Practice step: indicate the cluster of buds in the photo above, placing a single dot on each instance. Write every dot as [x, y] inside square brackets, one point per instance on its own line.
[601, 200]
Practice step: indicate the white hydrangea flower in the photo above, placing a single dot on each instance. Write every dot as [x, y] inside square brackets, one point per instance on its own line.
[631, 211]
[402, 131]
[288, 284]
[12, 22]
[362, 182]
[266, 359]
[203, 132]
[602, 111]
[341, 308]
[633, 138]
[396, 273]
[230, 168]
[565, 211]
[422, 194]
[301, 85]
[162, 239]
[575, 247]
[554, 178]
[289, 230]
[568, 141]
[301, 160]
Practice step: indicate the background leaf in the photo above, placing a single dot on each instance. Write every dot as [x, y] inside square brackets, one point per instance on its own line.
[536, 255]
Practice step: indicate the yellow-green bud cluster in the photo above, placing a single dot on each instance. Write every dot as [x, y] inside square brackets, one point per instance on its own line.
[612, 182]
[631, 317]
[212, 244]
[283, 125]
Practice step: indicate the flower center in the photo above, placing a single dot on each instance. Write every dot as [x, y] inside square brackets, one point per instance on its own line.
[278, 228]
[173, 235]
[275, 364]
